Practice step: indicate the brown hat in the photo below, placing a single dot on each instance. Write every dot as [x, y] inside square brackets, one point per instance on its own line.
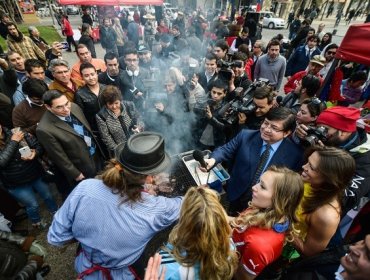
[318, 59]
[143, 153]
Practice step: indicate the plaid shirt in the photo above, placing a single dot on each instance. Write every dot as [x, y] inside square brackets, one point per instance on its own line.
[27, 48]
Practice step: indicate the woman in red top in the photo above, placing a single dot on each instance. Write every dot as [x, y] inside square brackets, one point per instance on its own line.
[68, 32]
[261, 230]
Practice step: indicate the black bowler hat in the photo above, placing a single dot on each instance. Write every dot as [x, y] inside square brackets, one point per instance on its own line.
[143, 153]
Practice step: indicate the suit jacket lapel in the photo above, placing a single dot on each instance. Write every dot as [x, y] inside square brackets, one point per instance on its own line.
[61, 124]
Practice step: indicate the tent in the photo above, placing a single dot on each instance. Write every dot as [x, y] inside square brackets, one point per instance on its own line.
[111, 2]
[355, 45]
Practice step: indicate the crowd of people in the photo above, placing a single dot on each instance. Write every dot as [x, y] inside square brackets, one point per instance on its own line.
[103, 129]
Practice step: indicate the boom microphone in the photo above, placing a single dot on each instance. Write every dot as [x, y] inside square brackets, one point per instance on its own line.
[198, 156]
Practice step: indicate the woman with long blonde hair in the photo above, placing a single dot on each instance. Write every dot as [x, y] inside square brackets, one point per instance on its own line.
[261, 230]
[199, 246]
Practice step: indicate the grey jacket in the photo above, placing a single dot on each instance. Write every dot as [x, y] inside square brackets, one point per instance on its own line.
[114, 130]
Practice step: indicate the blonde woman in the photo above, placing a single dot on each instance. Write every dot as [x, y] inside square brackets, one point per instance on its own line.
[261, 230]
[199, 245]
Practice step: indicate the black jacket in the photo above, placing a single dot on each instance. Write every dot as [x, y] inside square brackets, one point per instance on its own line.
[13, 170]
[89, 103]
[360, 185]
[89, 43]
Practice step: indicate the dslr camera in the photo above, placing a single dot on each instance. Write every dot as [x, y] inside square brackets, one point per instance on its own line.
[314, 134]
[243, 102]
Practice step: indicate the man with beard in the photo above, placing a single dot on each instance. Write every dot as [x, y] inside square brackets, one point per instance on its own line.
[22, 44]
[271, 65]
[343, 133]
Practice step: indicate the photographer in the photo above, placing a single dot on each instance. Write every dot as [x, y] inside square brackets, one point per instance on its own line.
[340, 128]
[263, 100]
[211, 124]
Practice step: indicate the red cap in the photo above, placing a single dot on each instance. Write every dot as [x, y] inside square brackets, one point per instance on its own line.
[341, 118]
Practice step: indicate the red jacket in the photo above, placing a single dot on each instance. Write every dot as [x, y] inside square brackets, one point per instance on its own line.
[66, 27]
[292, 82]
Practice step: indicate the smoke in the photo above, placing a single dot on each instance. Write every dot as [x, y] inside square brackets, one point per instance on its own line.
[176, 123]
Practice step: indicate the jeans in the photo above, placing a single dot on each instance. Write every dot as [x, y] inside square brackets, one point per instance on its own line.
[25, 194]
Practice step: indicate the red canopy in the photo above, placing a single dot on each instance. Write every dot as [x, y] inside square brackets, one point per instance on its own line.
[355, 45]
[111, 2]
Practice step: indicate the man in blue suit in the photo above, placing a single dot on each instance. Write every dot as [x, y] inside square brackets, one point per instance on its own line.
[246, 150]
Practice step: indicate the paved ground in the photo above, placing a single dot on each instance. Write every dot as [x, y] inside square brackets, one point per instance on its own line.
[61, 260]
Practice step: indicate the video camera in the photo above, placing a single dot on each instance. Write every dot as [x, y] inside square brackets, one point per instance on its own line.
[225, 72]
[243, 102]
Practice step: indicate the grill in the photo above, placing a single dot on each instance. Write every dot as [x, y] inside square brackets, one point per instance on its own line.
[181, 178]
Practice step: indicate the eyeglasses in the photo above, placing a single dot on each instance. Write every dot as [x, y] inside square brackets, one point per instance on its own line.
[274, 128]
[331, 53]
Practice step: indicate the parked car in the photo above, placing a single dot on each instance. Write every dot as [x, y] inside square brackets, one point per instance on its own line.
[72, 10]
[272, 21]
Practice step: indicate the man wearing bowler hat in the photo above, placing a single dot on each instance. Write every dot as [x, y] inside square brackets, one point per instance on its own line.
[113, 217]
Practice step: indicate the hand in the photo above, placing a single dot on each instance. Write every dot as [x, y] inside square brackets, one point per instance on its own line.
[38, 259]
[56, 48]
[80, 177]
[3, 64]
[208, 112]
[301, 131]
[152, 270]
[30, 157]
[159, 106]
[242, 118]
[17, 136]
[210, 163]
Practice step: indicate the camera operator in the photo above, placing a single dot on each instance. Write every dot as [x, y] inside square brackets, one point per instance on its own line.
[305, 88]
[240, 78]
[263, 98]
[211, 124]
[336, 126]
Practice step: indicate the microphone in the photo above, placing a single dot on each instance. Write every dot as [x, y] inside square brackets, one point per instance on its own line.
[198, 156]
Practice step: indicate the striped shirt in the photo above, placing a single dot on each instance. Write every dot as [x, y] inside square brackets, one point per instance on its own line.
[112, 234]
